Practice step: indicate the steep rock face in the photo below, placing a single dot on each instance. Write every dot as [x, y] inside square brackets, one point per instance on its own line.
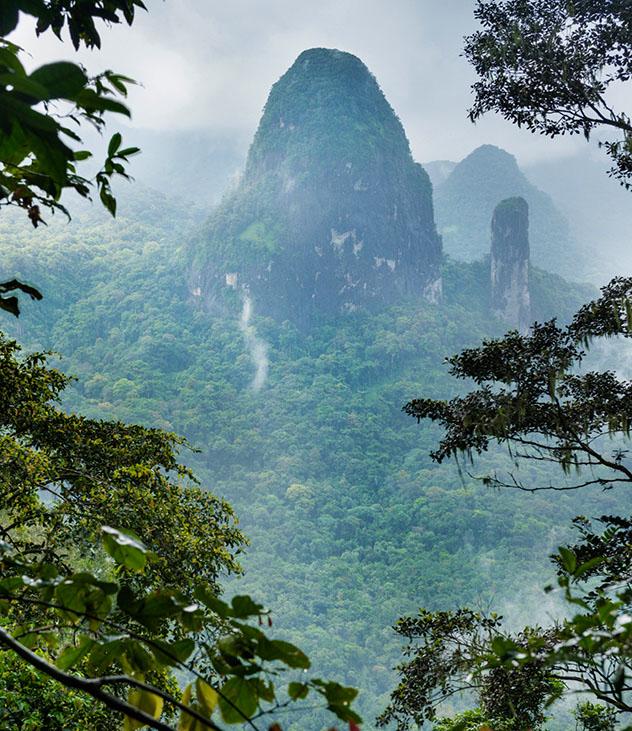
[332, 213]
[465, 202]
[510, 263]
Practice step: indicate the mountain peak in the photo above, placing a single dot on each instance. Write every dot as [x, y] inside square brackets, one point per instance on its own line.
[327, 105]
[465, 201]
[332, 213]
[488, 160]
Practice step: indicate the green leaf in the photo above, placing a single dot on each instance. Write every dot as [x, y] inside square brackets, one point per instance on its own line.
[187, 722]
[115, 143]
[334, 692]
[62, 79]
[150, 703]
[172, 653]
[238, 700]
[9, 57]
[124, 548]
[503, 646]
[567, 559]
[207, 696]
[10, 304]
[8, 16]
[619, 680]
[297, 691]
[286, 652]
[128, 152]
[71, 655]
[204, 595]
[588, 566]
[25, 85]
[245, 606]
[103, 656]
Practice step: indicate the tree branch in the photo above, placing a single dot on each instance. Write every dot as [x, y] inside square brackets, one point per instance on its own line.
[86, 685]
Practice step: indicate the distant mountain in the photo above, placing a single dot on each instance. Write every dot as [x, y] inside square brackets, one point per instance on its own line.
[598, 208]
[332, 214]
[439, 171]
[466, 199]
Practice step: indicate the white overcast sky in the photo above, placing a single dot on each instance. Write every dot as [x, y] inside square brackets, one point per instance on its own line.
[208, 65]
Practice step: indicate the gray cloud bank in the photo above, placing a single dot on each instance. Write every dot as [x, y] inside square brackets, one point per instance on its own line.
[208, 65]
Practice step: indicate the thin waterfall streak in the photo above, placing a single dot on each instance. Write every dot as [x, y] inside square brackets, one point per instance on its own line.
[257, 348]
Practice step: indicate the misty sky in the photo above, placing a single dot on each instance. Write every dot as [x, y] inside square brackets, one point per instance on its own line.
[208, 65]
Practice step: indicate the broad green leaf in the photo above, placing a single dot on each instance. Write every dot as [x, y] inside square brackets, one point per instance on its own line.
[297, 691]
[124, 548]
[71, 655]
[287, 653]
[245, 606]
[172, 653]
[62, 79]
[335, 692]
[502, 646]
[150, 703]
[238, 700]
[207, 696]
[103, 656]
[9, 58]
[8, 16]
[186, 722]
[204, 595]
[25, 85]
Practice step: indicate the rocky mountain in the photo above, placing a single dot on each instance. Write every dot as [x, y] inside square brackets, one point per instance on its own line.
[439, 171]
[332, 213]
[466, 199]
[509, 263]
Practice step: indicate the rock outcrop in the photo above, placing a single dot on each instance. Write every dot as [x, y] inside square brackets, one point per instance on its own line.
[332, 214]
[510, 297]
[466, 198]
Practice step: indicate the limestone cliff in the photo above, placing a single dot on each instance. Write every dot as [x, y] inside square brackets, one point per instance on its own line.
[510, 263]
[466, 198]
[332, 213]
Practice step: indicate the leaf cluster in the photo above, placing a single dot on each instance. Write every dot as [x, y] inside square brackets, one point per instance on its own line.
[532, 398]
[62, 476]
[106, 637]
[548, 66]
[42, 114]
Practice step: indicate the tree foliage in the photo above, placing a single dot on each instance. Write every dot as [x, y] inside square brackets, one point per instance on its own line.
[119, 637]
[549, 65]
[533, 397]
[62, 476]
[43, 113]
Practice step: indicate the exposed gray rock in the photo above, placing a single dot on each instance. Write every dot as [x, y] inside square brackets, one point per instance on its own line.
[465, 202]
[510, 263]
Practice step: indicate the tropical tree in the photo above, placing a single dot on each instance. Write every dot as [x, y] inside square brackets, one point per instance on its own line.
[532, 398]
[85, 607]
[547, 65]
[550, 65]
[43, 114]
